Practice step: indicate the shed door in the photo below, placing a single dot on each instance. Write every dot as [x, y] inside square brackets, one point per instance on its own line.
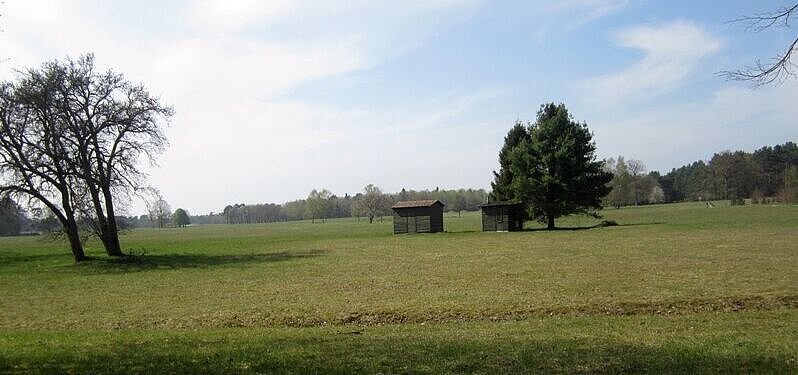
[501, 219]
[412, 226]
[423, 224]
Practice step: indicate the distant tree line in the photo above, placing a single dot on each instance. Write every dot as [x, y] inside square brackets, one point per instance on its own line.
[321, 205]
[769, 174]
[251, 213]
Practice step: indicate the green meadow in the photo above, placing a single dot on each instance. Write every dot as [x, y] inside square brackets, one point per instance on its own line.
[673, 288]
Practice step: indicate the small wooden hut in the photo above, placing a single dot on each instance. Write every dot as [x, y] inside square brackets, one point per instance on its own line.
[418, 217]
[502, 217]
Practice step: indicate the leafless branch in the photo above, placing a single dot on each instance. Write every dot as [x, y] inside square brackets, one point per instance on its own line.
[779, 68]
[761, 21]
[776, 71]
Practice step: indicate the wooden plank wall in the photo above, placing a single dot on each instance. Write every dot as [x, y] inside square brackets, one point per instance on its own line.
[418, 220]
[498, 219]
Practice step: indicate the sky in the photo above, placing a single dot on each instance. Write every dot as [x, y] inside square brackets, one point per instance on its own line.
[275, 98]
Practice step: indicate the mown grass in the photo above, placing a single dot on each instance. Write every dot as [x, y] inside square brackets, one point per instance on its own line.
[702, 343]
[601, 299]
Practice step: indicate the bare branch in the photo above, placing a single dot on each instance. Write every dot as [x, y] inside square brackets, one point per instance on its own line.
[761, 21]
[760, 74]
[778, 69]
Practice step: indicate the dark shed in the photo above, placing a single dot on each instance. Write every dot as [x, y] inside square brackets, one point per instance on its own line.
[418, 217]
[502, 217]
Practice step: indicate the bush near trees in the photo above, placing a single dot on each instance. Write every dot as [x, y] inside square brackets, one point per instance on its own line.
[11, 217]
[553, 169]
[180, 218]
[631, 185]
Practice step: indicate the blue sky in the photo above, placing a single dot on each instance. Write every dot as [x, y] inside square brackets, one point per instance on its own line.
[275, 98]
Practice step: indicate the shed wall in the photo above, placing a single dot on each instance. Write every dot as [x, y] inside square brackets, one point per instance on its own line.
[502, 218]
[418, 219]
[436, 218]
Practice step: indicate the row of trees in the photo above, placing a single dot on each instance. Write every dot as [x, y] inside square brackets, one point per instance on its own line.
[160, 215]
[253, 213]
[766, 175]
[322, 204]
[71, 139]
[765, 172]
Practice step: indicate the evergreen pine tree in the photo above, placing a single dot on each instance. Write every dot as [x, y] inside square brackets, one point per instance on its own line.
[554, 171]
[502, 191]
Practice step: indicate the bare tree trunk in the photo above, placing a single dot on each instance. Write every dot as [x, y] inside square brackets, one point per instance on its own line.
[111, 233]
[74, 241]
[550, 225]
[107, 228]
[71, 227]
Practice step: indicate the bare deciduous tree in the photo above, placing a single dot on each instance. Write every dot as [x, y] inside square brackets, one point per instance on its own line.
[778, 68]
[35, 159]
[317, 205]
[79, 134]
[158, 209]
[372, 202]
[116, 123]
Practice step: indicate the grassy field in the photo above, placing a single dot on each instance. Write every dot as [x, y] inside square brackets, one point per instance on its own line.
[674, 288]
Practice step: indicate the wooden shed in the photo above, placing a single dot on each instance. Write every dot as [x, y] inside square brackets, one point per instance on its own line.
[502, 217]
[418, 217]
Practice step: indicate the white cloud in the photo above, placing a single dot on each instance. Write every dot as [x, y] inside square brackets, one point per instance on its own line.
[672, 52]
[584, 11]
[250, 151]
[224, 66]
[279, 150]
[233, 15]
[554, 18]
[211, 69]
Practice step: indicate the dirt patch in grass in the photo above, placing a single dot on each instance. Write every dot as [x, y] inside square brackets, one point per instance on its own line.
[727, 305]
[377, 318]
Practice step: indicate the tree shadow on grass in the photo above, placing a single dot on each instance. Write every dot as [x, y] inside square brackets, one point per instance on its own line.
[366, 352]
[151, 262]
[560, 229]
[462, 231]
[10, 259]
[641, 224]
[586, 227]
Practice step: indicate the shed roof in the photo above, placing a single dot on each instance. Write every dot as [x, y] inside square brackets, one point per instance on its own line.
[413, 204]
[500, 203]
